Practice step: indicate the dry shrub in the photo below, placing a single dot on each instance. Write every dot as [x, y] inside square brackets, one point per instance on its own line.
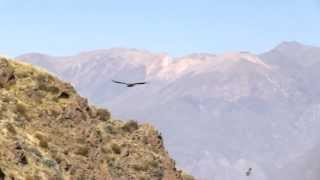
[43, 140]
[130, 126]
[116, 148]
[103, 114]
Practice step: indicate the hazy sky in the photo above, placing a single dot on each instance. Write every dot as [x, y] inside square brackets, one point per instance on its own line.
[62, 27]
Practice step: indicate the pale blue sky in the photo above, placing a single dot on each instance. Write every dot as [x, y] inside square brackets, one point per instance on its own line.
[65, 27]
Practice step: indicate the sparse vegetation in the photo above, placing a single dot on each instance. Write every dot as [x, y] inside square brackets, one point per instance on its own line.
[2, 175]
[53, 133]
[103, 114]
[130, 126]
[116, 148]
[64, 95]
[21, 110]
[106, 149]
[186, 176]
[43, 140]
[35, 152]
[49, 163]
[82, 151]
[11, 129]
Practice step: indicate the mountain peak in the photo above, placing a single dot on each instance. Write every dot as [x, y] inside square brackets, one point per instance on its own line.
[117, 51]
[34, 55]
[199, 56]
[292, 52]
[291, 43]
[290, 46]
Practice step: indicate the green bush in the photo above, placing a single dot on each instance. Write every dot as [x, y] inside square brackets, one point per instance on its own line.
[49, 163]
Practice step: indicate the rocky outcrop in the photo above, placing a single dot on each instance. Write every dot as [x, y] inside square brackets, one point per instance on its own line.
[47, 131]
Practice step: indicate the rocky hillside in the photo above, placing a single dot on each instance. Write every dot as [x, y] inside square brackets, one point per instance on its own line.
[49, 132]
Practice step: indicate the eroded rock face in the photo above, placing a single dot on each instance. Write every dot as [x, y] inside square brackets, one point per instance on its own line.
[47, 131]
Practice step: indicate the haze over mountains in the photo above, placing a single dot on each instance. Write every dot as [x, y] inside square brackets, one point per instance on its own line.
[219, 114]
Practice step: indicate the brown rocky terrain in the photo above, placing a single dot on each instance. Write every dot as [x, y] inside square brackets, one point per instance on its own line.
[48, 131]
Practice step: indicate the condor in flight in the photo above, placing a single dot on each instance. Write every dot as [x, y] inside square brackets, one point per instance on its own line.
[129, 84]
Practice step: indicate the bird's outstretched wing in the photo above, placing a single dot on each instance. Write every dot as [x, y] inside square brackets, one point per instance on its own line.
[139, 83]
[119, 82]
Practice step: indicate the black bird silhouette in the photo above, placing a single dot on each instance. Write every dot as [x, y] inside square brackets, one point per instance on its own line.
[129, 84]
[249, 172]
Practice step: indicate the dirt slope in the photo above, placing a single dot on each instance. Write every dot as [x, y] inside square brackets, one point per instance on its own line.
[47, 131]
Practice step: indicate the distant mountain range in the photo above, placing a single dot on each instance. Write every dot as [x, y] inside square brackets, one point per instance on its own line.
[220, 114]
